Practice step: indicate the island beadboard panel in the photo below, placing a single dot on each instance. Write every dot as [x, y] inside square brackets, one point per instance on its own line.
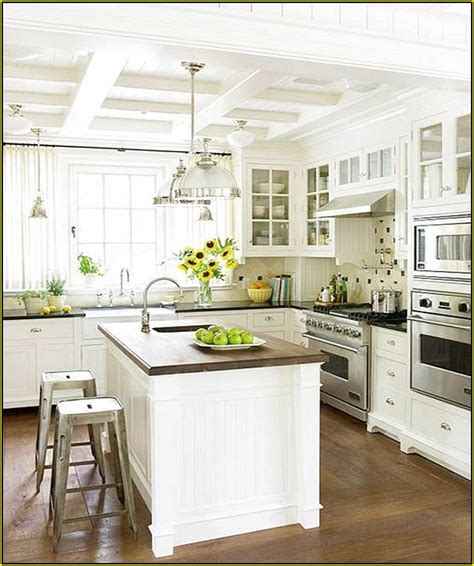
[218, 453]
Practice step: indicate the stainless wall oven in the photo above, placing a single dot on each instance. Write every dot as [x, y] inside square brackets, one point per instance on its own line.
[443, 247]
[441, 346]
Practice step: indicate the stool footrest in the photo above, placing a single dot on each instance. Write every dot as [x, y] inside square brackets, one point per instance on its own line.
[85, 443]
[79, 463]
[90, 487]
[95, 516]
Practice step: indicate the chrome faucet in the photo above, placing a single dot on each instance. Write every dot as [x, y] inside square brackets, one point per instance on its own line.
[145, 313]
[122, 294]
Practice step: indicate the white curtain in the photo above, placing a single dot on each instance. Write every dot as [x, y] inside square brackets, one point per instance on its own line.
[32, 248]
[184, 229]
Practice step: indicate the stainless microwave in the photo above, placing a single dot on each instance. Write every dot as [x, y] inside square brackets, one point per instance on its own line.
[443, 247]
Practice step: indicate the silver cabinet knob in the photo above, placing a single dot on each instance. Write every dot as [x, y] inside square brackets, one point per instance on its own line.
[389, 401]
[302, 319]
[446, 189]
[445, 426]
[36, 330]
[268, 318]
[391, 342]
[391, 373]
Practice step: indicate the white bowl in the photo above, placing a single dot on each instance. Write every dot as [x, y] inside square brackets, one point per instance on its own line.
[276, 187]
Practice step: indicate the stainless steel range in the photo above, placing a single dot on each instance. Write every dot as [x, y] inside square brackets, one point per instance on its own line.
[343, 334]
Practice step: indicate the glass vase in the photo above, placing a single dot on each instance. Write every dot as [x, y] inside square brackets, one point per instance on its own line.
[204, 298]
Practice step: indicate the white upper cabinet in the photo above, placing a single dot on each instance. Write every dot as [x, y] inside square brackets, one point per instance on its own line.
[442, 158]
[367, 166]
[269, 210]
[402, 196]
[318, 234]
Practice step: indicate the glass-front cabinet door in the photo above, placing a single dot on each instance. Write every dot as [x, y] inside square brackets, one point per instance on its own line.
[442, 153]
[318, 232]
[348, 170]
[269, 208]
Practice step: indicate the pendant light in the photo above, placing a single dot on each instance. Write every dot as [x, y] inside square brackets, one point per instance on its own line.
[165, 196]
[206, 179]
[38, 210]
[15, 123]
[240, 137]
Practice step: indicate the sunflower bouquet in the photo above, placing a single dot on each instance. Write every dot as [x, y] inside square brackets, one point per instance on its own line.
[209, 261]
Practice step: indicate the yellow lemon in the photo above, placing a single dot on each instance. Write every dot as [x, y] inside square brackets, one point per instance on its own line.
[52, 308]
[45, 310]
[66, 308]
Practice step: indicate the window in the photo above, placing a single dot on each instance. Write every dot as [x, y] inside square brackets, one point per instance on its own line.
[114, 221]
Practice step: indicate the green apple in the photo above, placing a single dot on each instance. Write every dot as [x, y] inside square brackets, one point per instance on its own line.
[220, 339]
[199, 332]
[235, 339]
[215, 328]
[234, 330]
[247, 338]
[207, 337]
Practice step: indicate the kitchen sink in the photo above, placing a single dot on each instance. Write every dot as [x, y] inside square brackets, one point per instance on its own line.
[188, 328]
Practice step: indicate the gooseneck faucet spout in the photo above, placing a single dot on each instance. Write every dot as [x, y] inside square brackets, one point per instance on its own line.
[124, 269]
[145, 313]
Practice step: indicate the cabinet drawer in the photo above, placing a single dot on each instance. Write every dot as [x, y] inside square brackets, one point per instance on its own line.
[394, 342]
[390, 403]
[388, 373]
[441, 425]
[226, 319]
[38, 329]
[266, 319]
[299, 320]
[277, 334]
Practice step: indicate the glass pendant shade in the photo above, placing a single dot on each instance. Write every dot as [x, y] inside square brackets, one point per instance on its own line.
[16, 124]
[164, 196]
[240, 137]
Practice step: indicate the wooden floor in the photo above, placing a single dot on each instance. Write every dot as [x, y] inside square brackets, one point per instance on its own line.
[380, 505]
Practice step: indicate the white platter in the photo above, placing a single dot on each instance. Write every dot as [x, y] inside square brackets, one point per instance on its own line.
[228, 347]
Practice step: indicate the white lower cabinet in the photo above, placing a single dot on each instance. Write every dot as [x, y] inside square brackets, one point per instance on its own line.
[422, 425]
[20, 382]
[93, 357]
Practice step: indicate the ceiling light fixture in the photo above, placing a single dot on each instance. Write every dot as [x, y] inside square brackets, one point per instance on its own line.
[206, 179]
[38, 209]
[15, 123]
[240, 137]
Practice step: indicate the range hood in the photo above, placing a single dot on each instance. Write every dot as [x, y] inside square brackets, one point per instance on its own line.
[379, 203]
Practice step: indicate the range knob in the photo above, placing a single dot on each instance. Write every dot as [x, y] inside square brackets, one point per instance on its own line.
[464, 307]
[355, 333]
[338, 328]
[346, 331]
[320, 324]
[328, 326]
[425, 303]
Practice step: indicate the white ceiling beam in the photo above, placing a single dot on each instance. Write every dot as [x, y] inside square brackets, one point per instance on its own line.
[146, 106]
[221, 131]
[299, 97]
[231, 98]
[47, 74]
[129, 125]
[36, 98]
[101, 72]
[262, 115]
[171, 85]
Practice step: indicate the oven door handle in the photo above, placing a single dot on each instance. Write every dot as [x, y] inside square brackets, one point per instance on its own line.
[447, 324]
[335, 344]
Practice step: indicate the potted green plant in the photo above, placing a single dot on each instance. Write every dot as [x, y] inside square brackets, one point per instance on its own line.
[34, 301]
[56, 292]
[90, 269]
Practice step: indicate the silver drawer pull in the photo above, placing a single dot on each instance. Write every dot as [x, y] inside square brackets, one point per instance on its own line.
[302, 343]
[391, 373]
[268, 318]
[35, 329]
[391, 342]
[389, 401]
[302, 319]
[445, 426]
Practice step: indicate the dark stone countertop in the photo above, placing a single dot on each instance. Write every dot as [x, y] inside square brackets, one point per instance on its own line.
[242, 305]
[20, 314]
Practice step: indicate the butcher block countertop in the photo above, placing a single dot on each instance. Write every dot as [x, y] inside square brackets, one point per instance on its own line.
[170, 351]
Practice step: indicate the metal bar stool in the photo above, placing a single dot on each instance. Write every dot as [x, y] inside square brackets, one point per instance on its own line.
[90, 411]
[52, 381]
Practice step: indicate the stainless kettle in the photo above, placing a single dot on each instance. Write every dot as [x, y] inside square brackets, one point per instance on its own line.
[385, 301]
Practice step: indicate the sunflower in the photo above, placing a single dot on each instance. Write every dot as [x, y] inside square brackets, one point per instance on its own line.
[200, 254]
[231, 263]
[188, 250]
[210, 245]
[183, 267]
[205, 275]
[192, 262]
[227, 252]
[212, 264]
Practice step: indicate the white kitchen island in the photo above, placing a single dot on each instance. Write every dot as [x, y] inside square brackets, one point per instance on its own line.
[221, 443]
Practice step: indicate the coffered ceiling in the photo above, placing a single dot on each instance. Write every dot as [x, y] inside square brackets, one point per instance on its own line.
[115, 81]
